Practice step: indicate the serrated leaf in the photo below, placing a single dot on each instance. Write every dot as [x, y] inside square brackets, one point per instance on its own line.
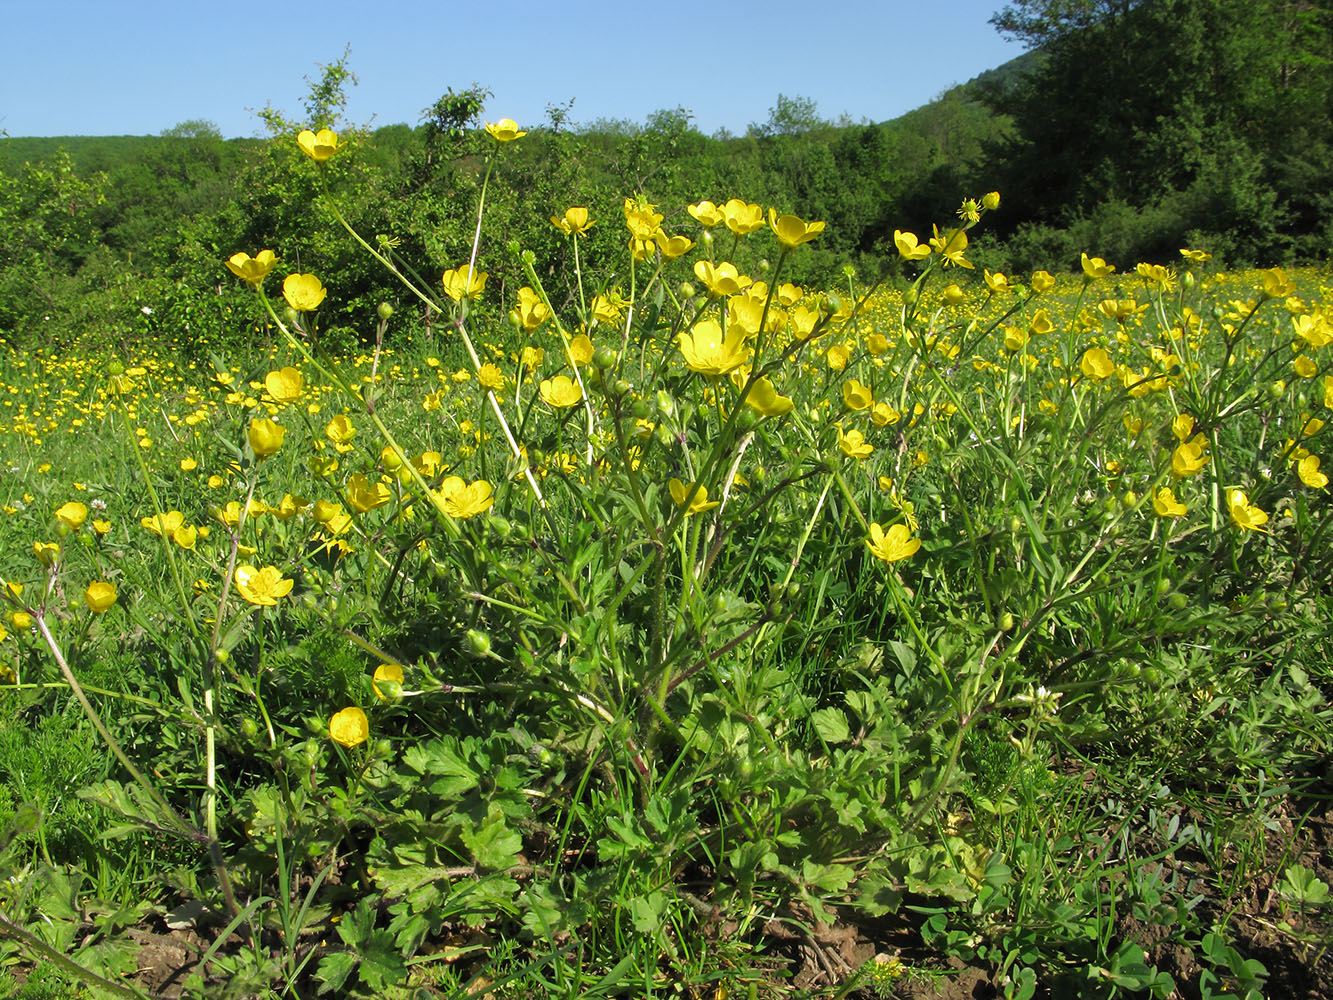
[831, 725]
[493, 844]
[334, 968]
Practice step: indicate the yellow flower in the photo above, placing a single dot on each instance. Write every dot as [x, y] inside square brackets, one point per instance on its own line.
[883, 414]
[706, 350]
[1304, 366]
[458, 287]
[265, 436]
[581, 349]
[72, 515]
[1244, 515]
[186, 535]
[1314, 329]
[340, 431]
[854, 444]
[1097, 364]
[505, 130]
[350, 727]
[284, 385]
[990, 201]
[463, 500]
[1275, 283]
[1188, 457]
[390, 674]
[856, 395]
[721, 279]
[766, 399]
[951, 246]
[679, 491]
[575, 220]
[673, 246]
[996, 281]
[319, 146]
[1095, 267]
[303, 292]
[1308, 469]
[163, 524]
[1182, 426]
[792, 231]
[1041, 323]
[491, 377]
[953, 295]
[101, 527]
[1196, 256]
[252, 269]
[560, 392]
[837, 357]
[99, 596]
[893, 545]
[46, 552]
[742, 218]
[262, 587]
[706, 214]
[1042, 281]
[1166, 504]
[364, 495]
[530, 311]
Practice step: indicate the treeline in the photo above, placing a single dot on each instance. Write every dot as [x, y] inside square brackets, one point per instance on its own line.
[1134, 127]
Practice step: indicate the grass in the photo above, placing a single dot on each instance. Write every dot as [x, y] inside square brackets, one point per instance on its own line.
[546, 729]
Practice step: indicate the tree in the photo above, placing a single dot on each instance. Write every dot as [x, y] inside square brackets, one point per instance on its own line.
[789, 116]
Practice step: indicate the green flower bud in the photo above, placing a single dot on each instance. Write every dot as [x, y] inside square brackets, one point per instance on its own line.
[385, 311]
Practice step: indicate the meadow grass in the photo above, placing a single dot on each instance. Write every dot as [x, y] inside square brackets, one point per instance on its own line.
[622, 639]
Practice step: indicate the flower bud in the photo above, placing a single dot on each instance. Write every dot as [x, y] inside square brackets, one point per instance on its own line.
[478, 642]
[384, 311]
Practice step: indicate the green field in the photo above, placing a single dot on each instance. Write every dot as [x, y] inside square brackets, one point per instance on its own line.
[657, 629]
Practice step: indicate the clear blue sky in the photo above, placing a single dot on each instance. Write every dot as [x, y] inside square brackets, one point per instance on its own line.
[75, 67]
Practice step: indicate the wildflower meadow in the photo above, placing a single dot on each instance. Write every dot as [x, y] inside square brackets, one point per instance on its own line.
[645, 627]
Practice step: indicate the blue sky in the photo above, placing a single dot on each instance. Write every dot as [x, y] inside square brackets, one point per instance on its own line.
[73, 67]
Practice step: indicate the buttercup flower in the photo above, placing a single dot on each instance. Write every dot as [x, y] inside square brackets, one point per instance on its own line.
[46, 552]
[284, 385]
[766, 399]
[387, 673]
[462, 500]
[1164, 502]
[706, 214]
[706, 350]
[262, 587]
[721, 279]
[1095, 267]
[505, 130]
[99, 596]
[1308, 470]
[1042, 281]
[893, 545]
[72, 515]
[560, 392]
[530, 311]
[575, 220]
[457, 286]
[350, 727]
[1188, 457]
[364, 495]
[1097, 364]
[792, 231]
[1244, 515]
[265, 436]
[951, 246]
[679, 491]
[319, 146]
[252, 269]
[741, 217]
[163, 524]
[854, 444]
[303, 292]
[856, 395]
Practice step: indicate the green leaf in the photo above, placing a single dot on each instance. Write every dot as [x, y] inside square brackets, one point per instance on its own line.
[334, 968]
[831, 725]
[493, 844]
